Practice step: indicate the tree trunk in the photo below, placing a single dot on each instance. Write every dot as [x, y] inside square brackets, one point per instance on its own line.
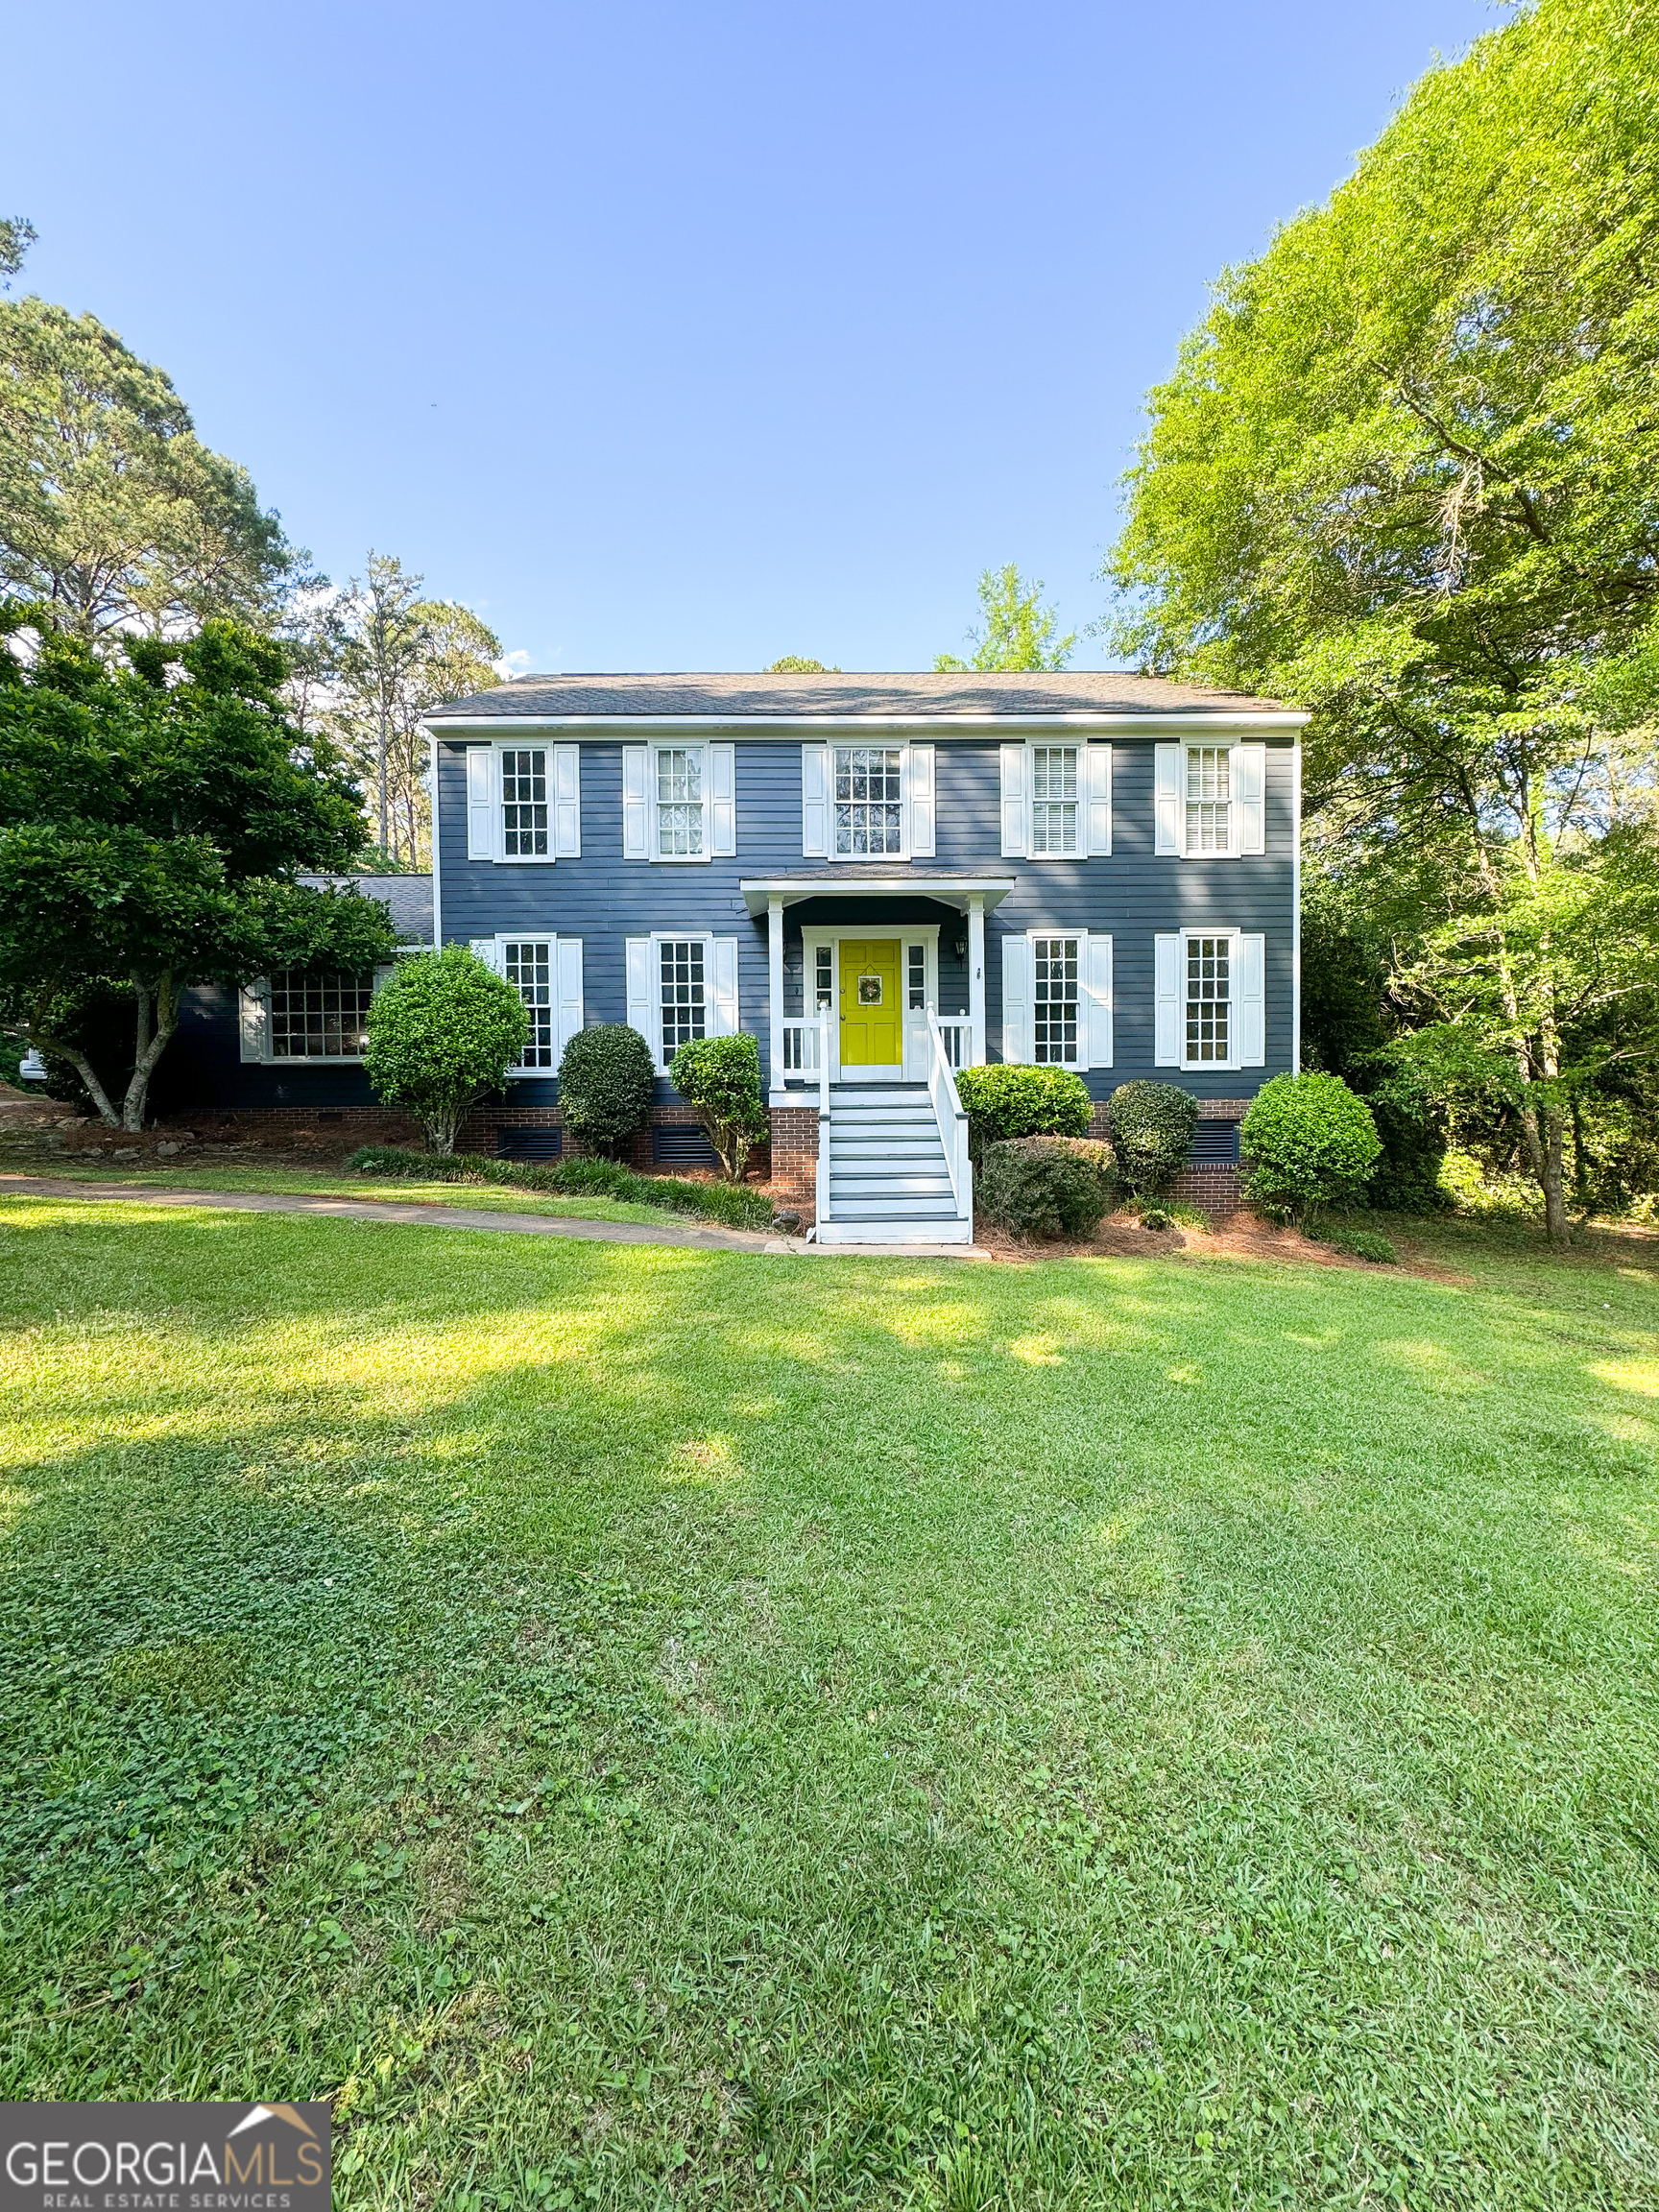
[1554, 1123]
[151, 1044]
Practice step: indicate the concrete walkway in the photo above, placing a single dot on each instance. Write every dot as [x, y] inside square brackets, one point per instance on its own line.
[426, 1217]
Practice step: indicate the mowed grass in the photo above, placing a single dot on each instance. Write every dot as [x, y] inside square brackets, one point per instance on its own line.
[647, 1727]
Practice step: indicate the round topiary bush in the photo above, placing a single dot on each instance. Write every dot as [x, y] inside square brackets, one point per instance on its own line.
[1046, 1186]
[444, 1028]
[721, 1077]
[606, 1079]
[1151, 1126]
[1308, 1142]
[1007, 1101]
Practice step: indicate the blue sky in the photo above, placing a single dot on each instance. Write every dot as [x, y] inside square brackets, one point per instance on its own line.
[686, 336]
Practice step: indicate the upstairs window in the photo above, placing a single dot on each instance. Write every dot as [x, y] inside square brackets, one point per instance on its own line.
[1209, 799]
[524, 802]
[869, 800]
[317, 1013]
[682, 984]
[1054, 799]
[1054, 1001]
[1208, 1001]
[527, 963]
[679, 802]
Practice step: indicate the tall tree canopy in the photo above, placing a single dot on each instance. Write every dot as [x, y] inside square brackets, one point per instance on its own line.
[1015, 629]
[153, 819]
[1407, 473]
[113, 515]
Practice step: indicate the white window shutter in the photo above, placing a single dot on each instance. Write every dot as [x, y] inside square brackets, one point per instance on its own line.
[1014, 802]
[814, 802]
[567, 953]
[635, 808]
[642, 1006]
[567, 802]
[1017, 991]
[1250, 797]
[1167, 773]
[1094, 968]
[722, 1010]
[1250, 963]
[1166, 997]
[1097, 794]
[722, 801]
[919, 791]
[481, 802]
[489, 951]
[252, 1019]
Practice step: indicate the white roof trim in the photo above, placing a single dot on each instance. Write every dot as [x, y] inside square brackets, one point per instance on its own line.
[951, 890]
[1093, 718]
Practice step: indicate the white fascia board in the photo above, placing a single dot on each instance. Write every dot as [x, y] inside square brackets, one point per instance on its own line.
[768, 725]
[951, 890]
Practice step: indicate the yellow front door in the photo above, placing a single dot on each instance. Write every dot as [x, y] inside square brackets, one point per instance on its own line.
[872, 1021]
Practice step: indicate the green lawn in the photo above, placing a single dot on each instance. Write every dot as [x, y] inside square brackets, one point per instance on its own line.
[645, 1727]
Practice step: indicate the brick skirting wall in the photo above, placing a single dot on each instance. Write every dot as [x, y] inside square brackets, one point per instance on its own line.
[338, 1124]
[794, 1159]
[1215, 1185]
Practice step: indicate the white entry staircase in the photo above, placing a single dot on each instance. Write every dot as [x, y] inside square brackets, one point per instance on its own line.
[893, 1161]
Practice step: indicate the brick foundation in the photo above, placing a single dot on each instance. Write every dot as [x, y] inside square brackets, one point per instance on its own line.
[1215, 1183]
[279, 1125]
[794, 1159]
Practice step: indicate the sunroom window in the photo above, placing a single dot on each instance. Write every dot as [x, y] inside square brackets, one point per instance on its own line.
[317, 1013]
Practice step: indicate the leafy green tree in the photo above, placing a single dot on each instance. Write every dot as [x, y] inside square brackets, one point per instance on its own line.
[16, 236]
[721, 1077]
[793, 664]
[443, 1031]
[1309, 1142]
[113, 515]
[1407, 473]
[607, 1081]
[153, 819]
[1015, 629]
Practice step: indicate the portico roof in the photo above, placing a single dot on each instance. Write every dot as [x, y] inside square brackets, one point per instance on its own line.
[904, 882]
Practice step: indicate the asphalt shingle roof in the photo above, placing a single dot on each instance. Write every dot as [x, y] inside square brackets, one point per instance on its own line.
[932, 695]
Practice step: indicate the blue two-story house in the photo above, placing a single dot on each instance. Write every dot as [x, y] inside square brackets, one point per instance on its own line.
[884, 879]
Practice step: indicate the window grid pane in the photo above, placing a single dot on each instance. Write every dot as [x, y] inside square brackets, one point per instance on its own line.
[1209, 799]
[679, 802]
[1054, 799]
[529, 965]
[1054, 964]
[524, 803]
[917, 988]
[684, 1005]
[318, 1014]
[1209, 998]
[869, 796]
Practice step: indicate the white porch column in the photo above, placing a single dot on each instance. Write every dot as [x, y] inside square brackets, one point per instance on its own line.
[977, 975]
[775, 984]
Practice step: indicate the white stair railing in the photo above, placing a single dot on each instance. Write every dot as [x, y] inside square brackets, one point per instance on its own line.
[948, 1114]
[821, 1039]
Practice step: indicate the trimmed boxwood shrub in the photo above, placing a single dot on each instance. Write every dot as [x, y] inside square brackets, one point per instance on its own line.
[445, 1029]
[1046, 1186]
[1151, 1126]
[1003, 1102]
[721, 1077]
[607, 1077]
[1308, 1142]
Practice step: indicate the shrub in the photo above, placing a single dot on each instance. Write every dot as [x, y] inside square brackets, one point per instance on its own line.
[1151, 1125]
[721, 1077]
[444, 1028]
[1367, 1245]
[1309, 1142]
[1155, 1218]
[1006, 1102]
[607, 1079]
[575, 1178]
[1046, 1186]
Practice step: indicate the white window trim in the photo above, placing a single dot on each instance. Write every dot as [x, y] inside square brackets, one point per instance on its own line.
[565, 964]
[642, 822]
[721, 983]
[486, 825]
[254, 1024]
[1248, 947]
[1018, 778]
[1096, 995]
[1247, 797]
[918, 802]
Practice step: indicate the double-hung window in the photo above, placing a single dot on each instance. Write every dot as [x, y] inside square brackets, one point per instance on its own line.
[1057, 998]
[681, 986]
[679, 802]
[1054, 1001]
[1211, 800]
[869, 801]
[527, 963]
[1210, 999]
[1056, 802]
[683, 991]
[524, 802]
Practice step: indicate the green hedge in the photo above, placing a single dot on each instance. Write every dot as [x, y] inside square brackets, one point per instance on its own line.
[607, 1080]
[1005, 1102]
[1308, 1142]
[1047, 1185]
[1151, 1126]
[732, 1204]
